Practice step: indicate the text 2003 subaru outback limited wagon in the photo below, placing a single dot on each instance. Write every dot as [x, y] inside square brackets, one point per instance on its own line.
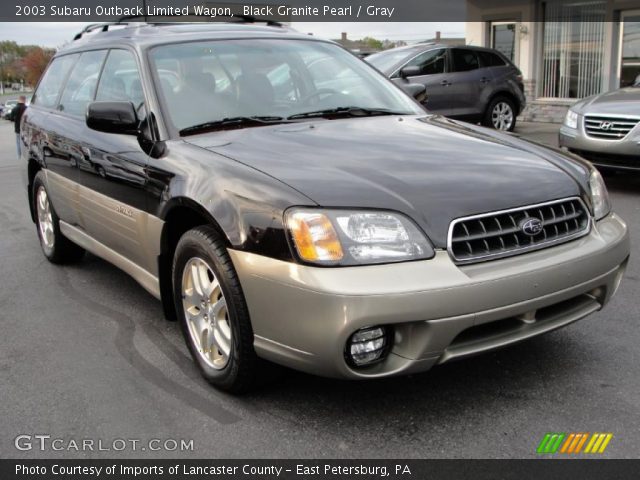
[287, 202]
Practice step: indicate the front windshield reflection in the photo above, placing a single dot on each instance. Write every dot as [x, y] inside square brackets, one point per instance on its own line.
[204, 82]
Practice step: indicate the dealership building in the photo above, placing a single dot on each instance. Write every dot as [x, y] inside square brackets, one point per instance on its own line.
[565, 50]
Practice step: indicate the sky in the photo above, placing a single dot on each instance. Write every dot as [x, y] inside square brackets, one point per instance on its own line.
[55, 34]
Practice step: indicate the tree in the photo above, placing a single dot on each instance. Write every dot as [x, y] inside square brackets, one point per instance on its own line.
[373, 43]
[34, 62]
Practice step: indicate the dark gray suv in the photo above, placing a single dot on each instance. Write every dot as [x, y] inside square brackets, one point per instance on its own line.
[468, 83]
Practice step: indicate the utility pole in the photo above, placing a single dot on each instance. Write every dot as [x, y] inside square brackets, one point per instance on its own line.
[1, 72]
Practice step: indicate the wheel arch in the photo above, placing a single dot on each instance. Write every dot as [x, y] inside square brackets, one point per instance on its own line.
[180, 215]
[504, 93]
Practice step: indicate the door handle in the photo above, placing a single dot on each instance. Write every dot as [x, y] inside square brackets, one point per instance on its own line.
[485, 80]
[445, 83]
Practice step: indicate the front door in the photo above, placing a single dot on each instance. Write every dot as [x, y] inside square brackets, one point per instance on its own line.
[434, 76]
[112, 172]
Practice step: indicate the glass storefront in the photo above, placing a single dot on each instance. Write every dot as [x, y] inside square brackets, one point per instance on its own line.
[573, 49]
[630, 49]
[503, 39]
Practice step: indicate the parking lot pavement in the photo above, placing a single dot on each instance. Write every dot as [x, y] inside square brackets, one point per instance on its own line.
[85, 353]
[546, 133]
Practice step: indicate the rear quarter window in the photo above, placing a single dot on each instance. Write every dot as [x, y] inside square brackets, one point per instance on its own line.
[52, 81]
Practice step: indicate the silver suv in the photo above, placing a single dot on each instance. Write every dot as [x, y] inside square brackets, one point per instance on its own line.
[468, 83]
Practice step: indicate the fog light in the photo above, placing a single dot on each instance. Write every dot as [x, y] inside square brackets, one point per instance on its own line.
[367, 346]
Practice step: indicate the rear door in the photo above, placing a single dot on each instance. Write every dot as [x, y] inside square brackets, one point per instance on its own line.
[49, 130]
[434, 75]
[468, 83]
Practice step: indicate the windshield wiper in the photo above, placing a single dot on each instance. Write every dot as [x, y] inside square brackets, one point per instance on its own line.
[348, 111]
[232, 122]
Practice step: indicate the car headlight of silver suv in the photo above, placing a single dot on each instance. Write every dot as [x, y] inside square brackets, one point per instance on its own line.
[571, 119]
[599, 195]
[355, 237]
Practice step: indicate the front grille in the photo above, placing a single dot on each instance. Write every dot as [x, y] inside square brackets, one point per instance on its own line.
[608, 128]
[511, 232]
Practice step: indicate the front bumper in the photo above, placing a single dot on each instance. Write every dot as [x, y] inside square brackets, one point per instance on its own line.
[303, 316]
[622, 154]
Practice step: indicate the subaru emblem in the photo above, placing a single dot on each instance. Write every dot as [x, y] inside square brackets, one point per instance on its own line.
[531, 226]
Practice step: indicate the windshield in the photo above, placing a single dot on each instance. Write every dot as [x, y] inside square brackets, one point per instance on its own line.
[211, 81]
[385, 61]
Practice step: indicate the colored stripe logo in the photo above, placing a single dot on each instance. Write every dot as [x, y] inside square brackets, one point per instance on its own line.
[573, 443]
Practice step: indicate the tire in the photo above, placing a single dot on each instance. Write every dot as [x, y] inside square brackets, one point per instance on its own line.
[212, 311]
[55, 246]
[500, 114]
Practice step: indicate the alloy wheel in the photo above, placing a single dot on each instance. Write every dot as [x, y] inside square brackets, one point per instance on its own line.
[206, 313]
[45, 218]
[502, 116]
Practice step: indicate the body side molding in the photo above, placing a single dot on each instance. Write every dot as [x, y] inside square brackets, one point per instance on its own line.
[143, 277]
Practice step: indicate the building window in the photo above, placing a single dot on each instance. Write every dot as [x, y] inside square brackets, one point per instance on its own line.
[573, 49]
[503, 39]
[630, 62]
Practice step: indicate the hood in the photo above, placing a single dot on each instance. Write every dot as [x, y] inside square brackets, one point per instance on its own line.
[429, 168]
[625, 101]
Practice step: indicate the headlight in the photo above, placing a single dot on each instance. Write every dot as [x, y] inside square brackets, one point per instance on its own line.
[571, 119]
[599, 196]
[355, 237]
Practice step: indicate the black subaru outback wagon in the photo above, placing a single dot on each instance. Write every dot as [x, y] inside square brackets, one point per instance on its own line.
[288, 203]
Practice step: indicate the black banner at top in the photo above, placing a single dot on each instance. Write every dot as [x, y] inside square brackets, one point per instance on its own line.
[203, 10]
[293, 10]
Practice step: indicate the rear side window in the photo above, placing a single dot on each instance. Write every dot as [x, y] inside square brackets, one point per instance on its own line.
[47, 93]
[490, 59]
[430, 62]
[120, 79]
[464, 60]
[81, 86]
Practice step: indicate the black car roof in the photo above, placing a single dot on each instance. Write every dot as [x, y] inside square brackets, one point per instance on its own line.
[145, 35]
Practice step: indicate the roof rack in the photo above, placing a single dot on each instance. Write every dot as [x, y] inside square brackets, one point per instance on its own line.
[104, 27]
[241, 19]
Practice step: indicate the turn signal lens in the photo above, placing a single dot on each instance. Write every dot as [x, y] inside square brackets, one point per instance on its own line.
[571, 119]
[599, 196]
[355, 237]
[314, 237]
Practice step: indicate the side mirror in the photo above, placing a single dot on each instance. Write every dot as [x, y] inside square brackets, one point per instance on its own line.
[411, 71]
[113, 117]
[416, 90]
